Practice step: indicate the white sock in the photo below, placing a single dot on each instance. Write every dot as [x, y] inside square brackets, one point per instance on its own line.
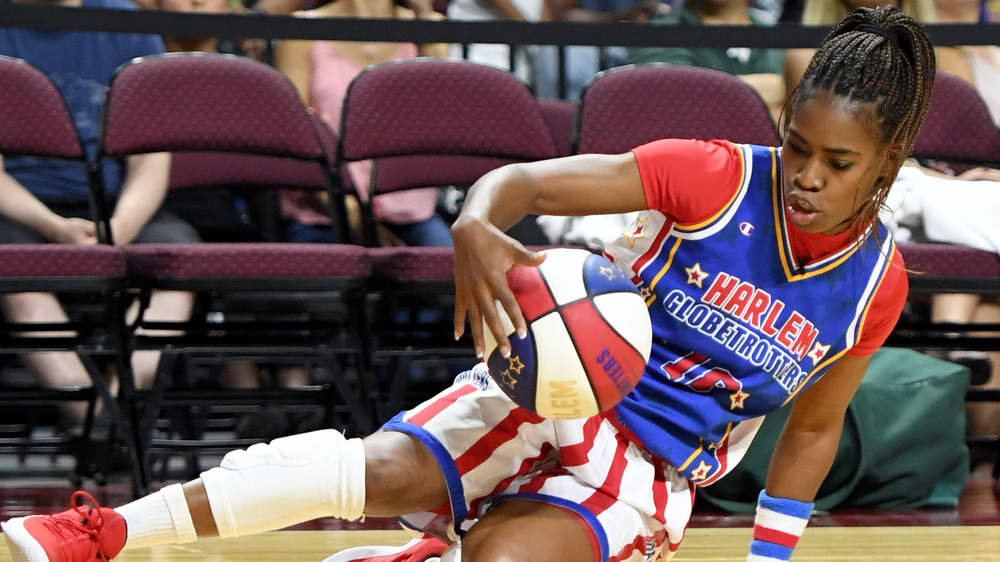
[159, 518]
[287, 481]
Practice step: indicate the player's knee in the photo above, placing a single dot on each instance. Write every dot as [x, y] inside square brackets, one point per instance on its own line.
[400, 473]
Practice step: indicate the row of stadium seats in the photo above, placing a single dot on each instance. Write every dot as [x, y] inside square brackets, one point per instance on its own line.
[365, 313]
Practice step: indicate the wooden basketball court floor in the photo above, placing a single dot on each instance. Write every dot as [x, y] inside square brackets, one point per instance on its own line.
[726, 544]
[843, 543]
[970, 532]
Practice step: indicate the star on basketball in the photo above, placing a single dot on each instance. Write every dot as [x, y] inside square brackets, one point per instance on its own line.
[508, 380]
[515, 364]
[695, 275]
[737, 399]
[608, 272]
[701, 472]
[818, 352]
[636, 231]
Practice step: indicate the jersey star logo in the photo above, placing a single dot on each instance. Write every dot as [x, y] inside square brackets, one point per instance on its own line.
[737, 399]
[701, 472]
[636, 231]
[818, 352]
[515, 364]
[608, 272]
[507, 379]
[695, 275]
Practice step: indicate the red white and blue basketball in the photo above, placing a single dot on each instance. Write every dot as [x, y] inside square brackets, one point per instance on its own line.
[588, 341]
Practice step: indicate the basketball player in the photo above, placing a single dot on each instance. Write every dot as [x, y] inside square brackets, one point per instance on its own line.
[768, 279]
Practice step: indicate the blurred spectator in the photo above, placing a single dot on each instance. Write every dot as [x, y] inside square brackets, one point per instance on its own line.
[322, 71]
[767, 11]
[203, 44]
[255, 48]
[990, 11]
[47, 201]
[977, 64]
[761, 68]
[580, 62]
[826, 12]
[498, 55]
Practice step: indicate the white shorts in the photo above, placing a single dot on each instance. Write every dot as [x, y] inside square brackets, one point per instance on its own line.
[633, 507]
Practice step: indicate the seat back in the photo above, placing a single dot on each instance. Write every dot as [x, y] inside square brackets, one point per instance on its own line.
[432, 122]
[205, 102]
[560, 116]
[230, 120]
[440, 107]
[624, 107]
[34, 120]
[958, 127]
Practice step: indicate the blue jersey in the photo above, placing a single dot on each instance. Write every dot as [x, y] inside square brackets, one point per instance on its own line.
[81, 64]
[739, 328]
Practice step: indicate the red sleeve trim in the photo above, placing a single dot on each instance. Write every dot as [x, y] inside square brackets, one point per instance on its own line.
[886, 306]
[689, 181]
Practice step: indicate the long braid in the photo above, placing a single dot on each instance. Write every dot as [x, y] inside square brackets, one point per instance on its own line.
[882, 59]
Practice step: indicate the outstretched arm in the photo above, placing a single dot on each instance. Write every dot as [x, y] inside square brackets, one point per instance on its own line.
[808, 443]
[802, 459]
[578, 185]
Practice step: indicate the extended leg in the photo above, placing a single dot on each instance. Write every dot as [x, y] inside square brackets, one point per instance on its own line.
[268, 486]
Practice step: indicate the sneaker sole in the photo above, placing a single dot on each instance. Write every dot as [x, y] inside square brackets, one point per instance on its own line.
[23, 547]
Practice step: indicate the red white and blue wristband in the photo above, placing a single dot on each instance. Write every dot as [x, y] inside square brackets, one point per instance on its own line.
[777, 527]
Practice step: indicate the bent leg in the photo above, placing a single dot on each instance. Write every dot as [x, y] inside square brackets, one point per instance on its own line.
[401, 475]
[527, 531]
[291, 480]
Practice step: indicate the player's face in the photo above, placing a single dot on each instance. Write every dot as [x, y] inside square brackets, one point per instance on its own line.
[831, 163]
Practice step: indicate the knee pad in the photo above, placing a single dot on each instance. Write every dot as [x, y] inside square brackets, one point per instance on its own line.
[287, 481]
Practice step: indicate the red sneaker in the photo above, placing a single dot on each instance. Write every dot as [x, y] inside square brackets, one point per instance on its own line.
[84, 533]
[427, 549]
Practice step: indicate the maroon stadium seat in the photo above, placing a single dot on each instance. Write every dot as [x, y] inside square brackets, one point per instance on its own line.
[306, 301]
[626, 106]
[430, 122]
[34, 121]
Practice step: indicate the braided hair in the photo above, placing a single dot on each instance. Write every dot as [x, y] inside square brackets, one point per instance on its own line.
[882, 60]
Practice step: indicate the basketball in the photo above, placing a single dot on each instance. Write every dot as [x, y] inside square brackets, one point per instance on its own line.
[588, 340]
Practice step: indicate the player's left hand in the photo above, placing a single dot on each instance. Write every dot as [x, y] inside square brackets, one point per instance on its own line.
[483, 256]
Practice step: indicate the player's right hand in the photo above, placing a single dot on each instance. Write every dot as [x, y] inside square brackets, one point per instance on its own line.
[483, 256]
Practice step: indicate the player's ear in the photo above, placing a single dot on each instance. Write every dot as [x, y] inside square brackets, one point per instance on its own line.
[894, 158]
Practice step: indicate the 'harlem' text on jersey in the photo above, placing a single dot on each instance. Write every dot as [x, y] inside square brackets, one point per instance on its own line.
[739, 328]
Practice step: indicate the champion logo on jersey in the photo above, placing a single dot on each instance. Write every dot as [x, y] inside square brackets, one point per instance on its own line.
[746, 228]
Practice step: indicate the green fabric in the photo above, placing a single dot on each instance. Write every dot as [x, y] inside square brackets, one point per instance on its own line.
[903, 444]
[733, 60]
